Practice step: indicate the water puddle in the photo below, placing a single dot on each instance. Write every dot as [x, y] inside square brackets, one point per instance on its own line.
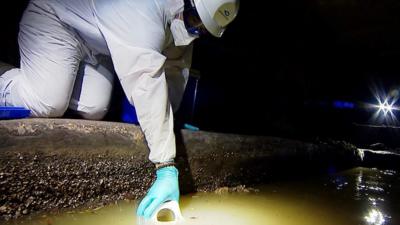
[359, 196]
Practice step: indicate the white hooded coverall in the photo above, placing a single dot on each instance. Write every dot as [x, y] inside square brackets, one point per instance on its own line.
[67, 43]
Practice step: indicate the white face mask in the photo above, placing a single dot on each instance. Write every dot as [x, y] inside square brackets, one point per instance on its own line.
[180, 34]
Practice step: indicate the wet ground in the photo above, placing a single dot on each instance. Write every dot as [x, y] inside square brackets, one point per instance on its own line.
[32, 183]
[360, 196]
[63, 164]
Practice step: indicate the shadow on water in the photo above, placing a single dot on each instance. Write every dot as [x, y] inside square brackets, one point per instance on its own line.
[186, 181]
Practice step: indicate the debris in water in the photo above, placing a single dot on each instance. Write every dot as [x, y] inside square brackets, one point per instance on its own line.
[237, 189]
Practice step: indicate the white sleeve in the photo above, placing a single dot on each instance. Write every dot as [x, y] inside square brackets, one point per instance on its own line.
[177, 68]
[145, 86]
[140, 69]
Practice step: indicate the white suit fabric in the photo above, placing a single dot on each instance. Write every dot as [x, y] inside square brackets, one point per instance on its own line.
[59, 38]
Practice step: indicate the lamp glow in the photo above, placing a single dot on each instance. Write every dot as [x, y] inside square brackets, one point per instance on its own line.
[385, 107]
[385, 110]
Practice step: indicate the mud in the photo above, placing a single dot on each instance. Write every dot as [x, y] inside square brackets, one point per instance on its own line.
[55, 164]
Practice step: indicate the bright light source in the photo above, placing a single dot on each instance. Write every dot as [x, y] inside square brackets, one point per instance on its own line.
[386, 110]
[385, 107]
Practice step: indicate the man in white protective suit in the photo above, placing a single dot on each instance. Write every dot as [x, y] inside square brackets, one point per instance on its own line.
[70, 48]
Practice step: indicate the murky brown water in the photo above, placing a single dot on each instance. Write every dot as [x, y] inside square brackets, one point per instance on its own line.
[359, 196]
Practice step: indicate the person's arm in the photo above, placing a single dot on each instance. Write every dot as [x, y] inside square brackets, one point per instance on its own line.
[135, 35]
[145, 86]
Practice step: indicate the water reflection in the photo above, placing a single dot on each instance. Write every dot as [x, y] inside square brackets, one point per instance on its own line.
[372, 187]
[375, 217]
[359, 196]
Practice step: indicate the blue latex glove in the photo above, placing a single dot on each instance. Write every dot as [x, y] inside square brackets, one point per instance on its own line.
[165, 188]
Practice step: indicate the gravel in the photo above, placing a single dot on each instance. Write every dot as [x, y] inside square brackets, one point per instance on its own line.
[37, 183]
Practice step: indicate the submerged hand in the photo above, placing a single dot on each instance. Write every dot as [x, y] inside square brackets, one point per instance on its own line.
[165, 188]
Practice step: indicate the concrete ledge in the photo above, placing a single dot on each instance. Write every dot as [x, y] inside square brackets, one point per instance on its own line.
[52, 164]
[60, 135]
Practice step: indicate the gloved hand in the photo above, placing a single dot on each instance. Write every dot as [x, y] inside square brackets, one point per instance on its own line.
[165, 188]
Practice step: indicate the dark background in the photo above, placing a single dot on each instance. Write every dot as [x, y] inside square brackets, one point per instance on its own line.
[280, 66]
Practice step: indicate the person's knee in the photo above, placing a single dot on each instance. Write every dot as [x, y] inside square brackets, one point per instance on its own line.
[94, 112]
[46, 110]
[54, 109]
[94, 115]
